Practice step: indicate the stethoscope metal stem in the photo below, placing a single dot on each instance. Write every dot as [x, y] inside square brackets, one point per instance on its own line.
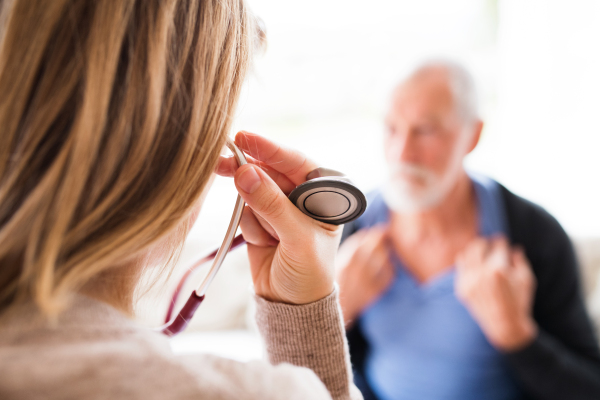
[177, 324]
[233, 226]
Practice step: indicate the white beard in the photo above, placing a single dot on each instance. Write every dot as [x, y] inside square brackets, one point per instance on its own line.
[411, 188]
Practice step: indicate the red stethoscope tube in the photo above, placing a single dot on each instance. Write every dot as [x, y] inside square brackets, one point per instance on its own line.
[174, 325]
[194, 301]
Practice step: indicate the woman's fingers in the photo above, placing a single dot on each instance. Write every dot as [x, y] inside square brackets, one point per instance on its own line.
[266, 199]
[266, 226]
[253, 231]
[292, 164]
[228, 165]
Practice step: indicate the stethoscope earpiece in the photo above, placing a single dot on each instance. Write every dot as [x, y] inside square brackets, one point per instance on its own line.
[329, 196]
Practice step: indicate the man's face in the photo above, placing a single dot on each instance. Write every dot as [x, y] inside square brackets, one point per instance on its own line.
[425, 143]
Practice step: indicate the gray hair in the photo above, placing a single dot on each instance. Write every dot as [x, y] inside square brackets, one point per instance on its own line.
[461, 82]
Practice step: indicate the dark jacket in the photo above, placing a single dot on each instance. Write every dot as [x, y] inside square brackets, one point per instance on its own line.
[563, 362]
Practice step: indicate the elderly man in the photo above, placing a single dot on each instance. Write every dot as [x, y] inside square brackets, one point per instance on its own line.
[452, 287]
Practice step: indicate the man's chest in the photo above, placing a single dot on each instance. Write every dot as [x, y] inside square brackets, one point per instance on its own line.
[427, 259]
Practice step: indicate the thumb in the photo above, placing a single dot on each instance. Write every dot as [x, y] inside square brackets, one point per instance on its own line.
[500, 254]
[266, 199]
[519, 260]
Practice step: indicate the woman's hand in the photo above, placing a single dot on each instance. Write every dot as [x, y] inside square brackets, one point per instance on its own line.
[291, 255]
[497, 286]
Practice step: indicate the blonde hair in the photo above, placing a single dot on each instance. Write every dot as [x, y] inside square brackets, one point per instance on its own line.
[112, 116]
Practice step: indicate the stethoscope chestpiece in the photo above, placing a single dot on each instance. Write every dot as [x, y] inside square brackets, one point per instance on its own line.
[329, 196]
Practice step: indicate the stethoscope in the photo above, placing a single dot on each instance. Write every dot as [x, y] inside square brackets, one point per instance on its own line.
[326, 196]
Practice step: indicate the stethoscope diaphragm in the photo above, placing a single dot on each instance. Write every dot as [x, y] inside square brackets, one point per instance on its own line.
[330, 197]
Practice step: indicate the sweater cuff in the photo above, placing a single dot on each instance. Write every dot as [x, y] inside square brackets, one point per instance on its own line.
[309, 335]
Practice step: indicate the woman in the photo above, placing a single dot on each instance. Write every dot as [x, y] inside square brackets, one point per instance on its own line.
[113, 115]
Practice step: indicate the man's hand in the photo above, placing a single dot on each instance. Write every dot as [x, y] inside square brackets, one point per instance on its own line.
[364, 271]
[496, 285]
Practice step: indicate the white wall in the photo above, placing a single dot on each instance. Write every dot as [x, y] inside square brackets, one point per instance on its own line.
[330, 64]
[545, 140]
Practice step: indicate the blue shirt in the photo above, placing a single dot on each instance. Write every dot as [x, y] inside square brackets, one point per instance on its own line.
[423, 342]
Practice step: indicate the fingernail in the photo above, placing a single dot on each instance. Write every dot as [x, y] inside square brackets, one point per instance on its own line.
[249, 180]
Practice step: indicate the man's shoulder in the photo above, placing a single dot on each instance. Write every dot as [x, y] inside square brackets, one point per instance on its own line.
[546, 244]
[529, 221]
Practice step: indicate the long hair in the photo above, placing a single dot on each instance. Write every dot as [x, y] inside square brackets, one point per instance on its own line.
[112, 117]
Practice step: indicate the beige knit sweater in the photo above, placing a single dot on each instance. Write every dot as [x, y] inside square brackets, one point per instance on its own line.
[95, 352]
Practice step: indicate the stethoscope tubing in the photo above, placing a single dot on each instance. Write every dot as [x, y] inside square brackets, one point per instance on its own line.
[238, 241]
[174, 325]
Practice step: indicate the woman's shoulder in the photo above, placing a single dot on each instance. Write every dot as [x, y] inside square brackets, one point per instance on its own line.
[86, 362]
[134, 367]
[256, 379]
[95, 352]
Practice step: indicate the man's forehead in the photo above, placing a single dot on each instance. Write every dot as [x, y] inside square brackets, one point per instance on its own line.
[427, 86]
[424, 98]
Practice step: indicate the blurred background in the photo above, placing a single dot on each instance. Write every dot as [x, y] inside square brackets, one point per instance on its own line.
[323, 85]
